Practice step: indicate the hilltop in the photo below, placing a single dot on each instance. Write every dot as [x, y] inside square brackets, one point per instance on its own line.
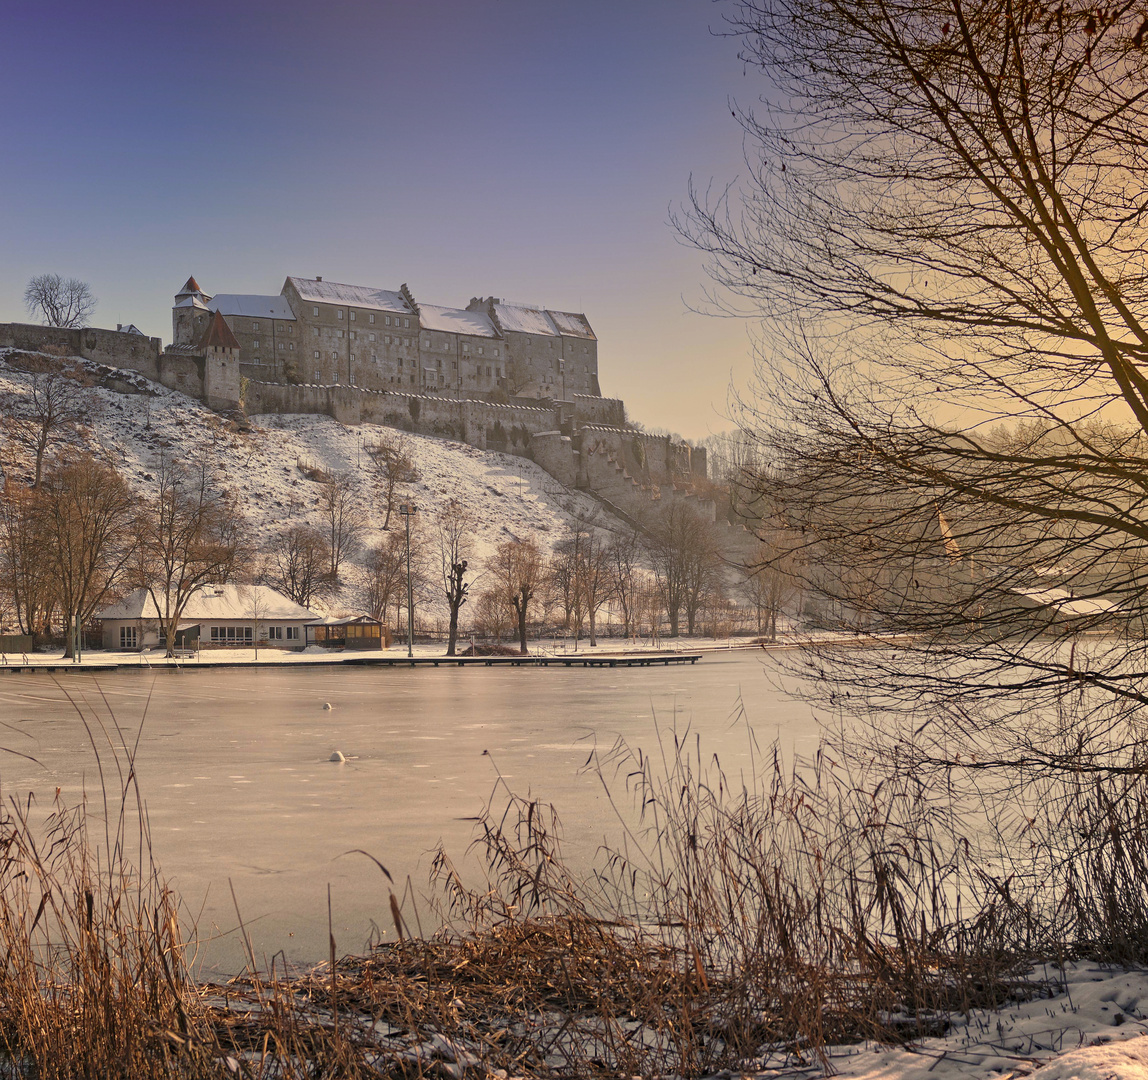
[269, 463]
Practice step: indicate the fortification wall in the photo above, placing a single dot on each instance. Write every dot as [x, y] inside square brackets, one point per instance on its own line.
[598, 410]
[111, 347]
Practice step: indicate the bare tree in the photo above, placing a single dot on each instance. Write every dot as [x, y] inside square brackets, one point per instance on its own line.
[188, 538]
[299, 563]
[59, 301]
[56, 403]
[386, 575]
[516, 571]
[87, 510]
[343, 519]
[938, 233]
[684, 554]
[393, 467]
[256, 608]
[455, 529]
[493, 614]
[25, 559]
[623, 560]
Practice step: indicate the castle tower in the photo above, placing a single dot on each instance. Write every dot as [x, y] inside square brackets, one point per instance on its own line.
[189, 314]
[220, 364]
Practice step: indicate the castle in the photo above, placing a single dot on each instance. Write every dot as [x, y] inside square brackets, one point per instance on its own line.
[496, 375]
[326, 333]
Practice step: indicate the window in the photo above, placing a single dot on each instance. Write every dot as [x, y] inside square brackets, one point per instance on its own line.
[387, 320]
[351, 335]
[388, 339]
[279, 327]
[255, 344]
[406, 323]
[128, 639]
[340, 313]
[370, 337]
[352, 376]
[336, 379]
[254, 326]
[340, 334]
[314, 311]
[352, 358]
[371, 319]
[352, 316]
[290, 329]
[495, 352]
[231, 635]
[374, 358]
[334, 355]
[255, 360]
[293, 633]
[466, 346]
[316, 357]
[426, 343]
[291, 345]
[480, 350]
[274, 633]
[282, 347]
[314, 331]
[317, 379]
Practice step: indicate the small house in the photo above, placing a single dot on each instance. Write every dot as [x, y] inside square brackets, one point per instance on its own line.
[216, 616]
[352, 632]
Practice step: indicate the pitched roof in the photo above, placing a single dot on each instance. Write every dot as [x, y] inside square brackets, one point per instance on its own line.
[456, 321]
[360, 296]
[520, 319]
[216, 602]
[250, 305]
[190, 286]
[218, 335]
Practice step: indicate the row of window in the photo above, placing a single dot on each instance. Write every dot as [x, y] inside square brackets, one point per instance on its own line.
[282, 328]
[244, 635]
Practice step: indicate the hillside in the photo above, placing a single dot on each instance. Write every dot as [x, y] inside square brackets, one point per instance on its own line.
[267, 464]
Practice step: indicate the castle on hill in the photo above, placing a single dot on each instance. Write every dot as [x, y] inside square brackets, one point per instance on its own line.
[327, 333]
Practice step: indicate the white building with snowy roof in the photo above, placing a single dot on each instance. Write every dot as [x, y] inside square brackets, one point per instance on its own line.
[217, 616]
[330, 333]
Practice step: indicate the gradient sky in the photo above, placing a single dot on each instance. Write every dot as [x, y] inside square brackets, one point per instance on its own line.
[529, 149]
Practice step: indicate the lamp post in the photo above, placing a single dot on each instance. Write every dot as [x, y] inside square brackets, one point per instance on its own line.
[407, 511]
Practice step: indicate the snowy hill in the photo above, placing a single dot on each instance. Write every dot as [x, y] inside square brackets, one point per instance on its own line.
[267, 464]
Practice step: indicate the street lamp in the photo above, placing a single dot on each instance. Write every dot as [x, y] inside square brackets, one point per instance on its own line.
[407, 511]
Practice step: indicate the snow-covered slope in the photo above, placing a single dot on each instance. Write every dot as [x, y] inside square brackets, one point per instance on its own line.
[266, 465]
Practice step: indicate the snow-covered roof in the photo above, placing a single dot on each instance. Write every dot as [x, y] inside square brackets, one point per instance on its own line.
[192, 302]
[346, 620]
[456, 321]
[131, 328]
[362, 296]
[1067, 604]
[515, 318]
[252, 306]
[216, 602]
[572, 324]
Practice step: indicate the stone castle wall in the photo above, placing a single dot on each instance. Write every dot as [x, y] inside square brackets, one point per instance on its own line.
[112, 347]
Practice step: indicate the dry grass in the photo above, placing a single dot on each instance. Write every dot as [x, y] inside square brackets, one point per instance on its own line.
[782, 913]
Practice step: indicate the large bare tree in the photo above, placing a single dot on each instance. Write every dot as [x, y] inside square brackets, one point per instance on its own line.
[299, 563]
[343, 519]
[87, 511]
[455, 526]
[188, 538]
[516, 571]
[943, 230]
[59, 301]
[50, 411]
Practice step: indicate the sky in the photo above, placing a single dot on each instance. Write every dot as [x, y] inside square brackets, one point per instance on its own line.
[528, 149]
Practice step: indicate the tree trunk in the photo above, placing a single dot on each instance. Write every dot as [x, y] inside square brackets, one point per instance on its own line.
[593, 630]
[453, 637]
[521, 627]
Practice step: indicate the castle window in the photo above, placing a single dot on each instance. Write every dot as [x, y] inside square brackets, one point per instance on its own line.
[406, 322]
[352, 335]
[314, 311]
[387, 320]
[340, 333]
[495, 352]
[340, 313]
[352, 316]
[371, 319]
[336, 379]
[370, 337]
[317, 379]
[352, 358]
[254, 326]
[282, 347]
[466, 346]
[279, 328]
[480, 350]
[374, 358]
[291, 345]
[314, 331]
[316, 354]
[255, 344]
[290, 329]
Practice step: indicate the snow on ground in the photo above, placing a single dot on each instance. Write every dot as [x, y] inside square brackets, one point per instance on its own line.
[509, 497]
[1095, 1029]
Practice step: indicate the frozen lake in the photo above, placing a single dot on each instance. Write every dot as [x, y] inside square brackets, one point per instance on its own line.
[233, 764]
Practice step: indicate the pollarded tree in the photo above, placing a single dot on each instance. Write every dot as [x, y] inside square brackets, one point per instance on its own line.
[516, 572]
[59, 301]
[943, 231]
[455, 527]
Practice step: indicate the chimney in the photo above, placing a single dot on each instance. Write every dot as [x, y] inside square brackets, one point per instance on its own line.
[319, 278]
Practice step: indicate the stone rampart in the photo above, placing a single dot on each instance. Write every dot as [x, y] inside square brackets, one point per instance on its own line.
[112, 347]
[598, 410]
